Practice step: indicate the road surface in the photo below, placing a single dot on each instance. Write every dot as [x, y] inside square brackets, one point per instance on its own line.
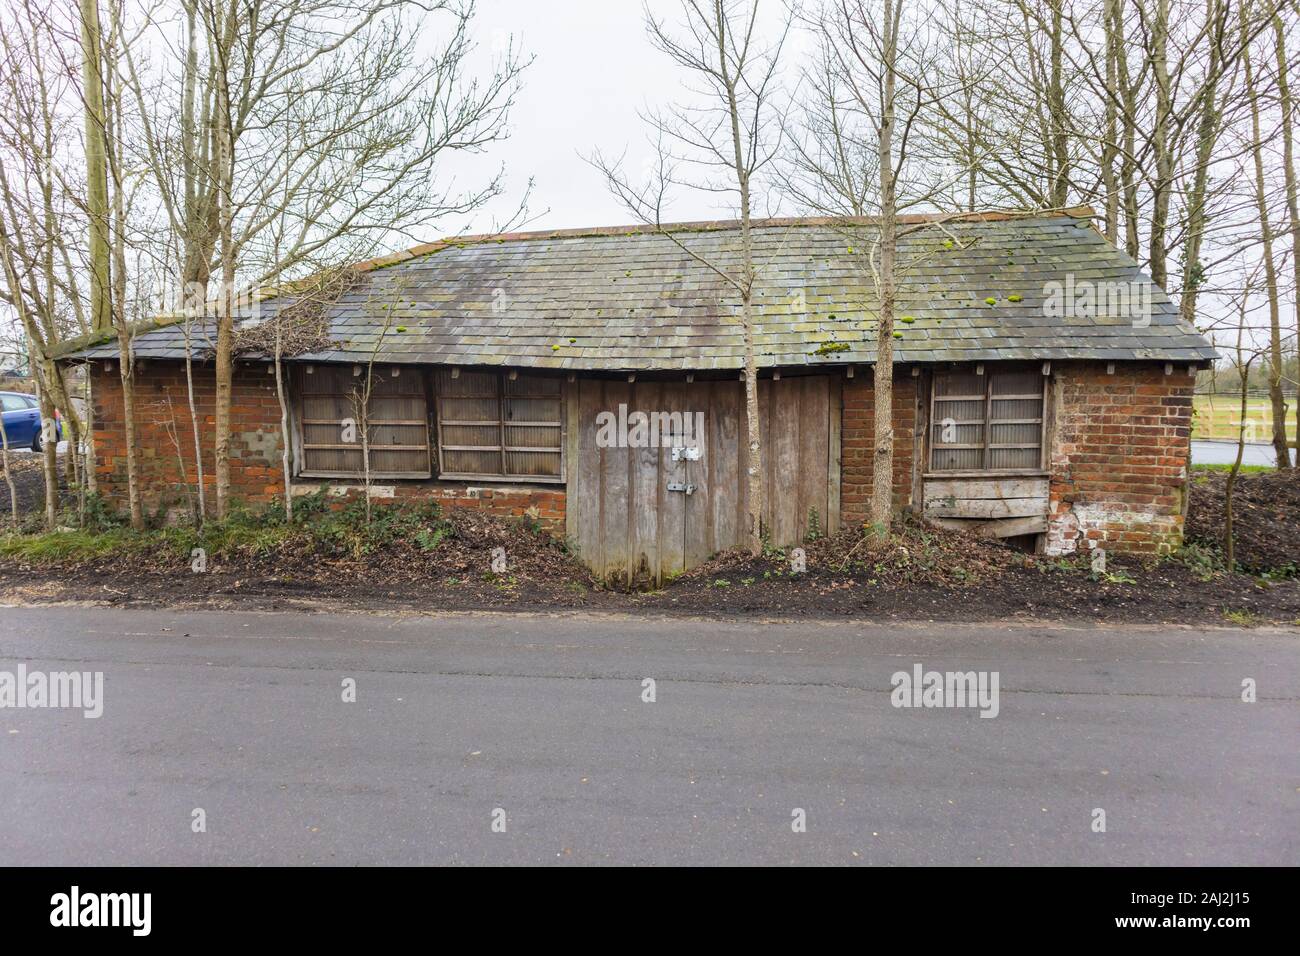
[1214, 451]
[538, 724]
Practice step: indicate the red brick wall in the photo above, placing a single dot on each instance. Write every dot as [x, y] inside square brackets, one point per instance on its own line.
[163, 421]
[543, 504]
[858, 443]
[1119, 457]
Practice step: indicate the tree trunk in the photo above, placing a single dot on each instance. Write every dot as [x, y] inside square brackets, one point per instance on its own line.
[1207, 135]
[1276, 400]
[225, 313]
[753, 437]
[284, 423]
[119, 314]
[1228, 553]
[9, 478]
[1128, 172]
[127, 376]
[1058, 114]
[882, 466]
[96, 165]
[1287, 107]
[1162, 188]
[1110, 146]
[49, 461]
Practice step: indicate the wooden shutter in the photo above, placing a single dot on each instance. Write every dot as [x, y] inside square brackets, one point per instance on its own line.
[990, 422]
[532, 427]
[397, 418]
[1015, 430]
[493, 426]
[469, 423]
[957, 421]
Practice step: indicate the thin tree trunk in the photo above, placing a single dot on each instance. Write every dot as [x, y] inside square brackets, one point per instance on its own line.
[1229, 556]
[1128, 172]
[1058, 113]
[96, 165]
[127, 376]
[1207, 136]
[119, 313]
[1276, 400]
[9, 478]
[49, 462]
[89, 466]
[194, 425]
[1162, 187]
[882, 467]
[1287, 107]
[225, 315]
[753, 437]
[284, 424]
[1110, 147]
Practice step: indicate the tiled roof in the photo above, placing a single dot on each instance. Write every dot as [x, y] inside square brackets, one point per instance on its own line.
[632, 299]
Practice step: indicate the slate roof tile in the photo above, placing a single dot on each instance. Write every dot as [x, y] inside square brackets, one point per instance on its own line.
[633, 299]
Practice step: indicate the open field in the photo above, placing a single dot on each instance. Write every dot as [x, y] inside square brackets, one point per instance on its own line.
[1219, 416]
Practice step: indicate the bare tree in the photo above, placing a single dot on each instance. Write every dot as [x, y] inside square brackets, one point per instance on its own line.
[97, 146]
[9, 476]
[1280, 446]
[720, 145]
[1243, 357]
[872, 88]
[199, 483]
[287, 135]
[41, 212]
[298, 323]
[1289, 117]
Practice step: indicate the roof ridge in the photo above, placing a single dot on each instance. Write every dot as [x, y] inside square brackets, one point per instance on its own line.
[713, 225]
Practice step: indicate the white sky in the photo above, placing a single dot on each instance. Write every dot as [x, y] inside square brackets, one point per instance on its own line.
[594, 69]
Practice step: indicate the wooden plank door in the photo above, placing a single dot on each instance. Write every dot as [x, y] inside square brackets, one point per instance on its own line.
[645, 513]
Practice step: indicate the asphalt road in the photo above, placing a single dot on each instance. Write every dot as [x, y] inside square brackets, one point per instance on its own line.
[1213, 451]
[457, 716]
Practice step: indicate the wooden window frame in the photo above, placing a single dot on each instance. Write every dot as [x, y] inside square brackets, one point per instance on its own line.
[502, 424]
[302, 446]
[987, 423]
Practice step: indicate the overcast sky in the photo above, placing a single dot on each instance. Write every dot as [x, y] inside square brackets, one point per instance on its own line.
[594, 69]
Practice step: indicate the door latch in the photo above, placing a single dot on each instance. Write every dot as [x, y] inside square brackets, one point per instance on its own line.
[688, 452]
[682, 487]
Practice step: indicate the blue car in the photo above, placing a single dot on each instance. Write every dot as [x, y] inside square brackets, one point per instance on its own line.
[22, 416]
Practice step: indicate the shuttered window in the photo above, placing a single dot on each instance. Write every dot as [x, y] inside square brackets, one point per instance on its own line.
[492, 425]
[991, 422]
[331, 419]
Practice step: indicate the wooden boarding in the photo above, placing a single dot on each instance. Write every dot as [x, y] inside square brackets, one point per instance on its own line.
[627, 523]
[996, 506]
[1004, 528]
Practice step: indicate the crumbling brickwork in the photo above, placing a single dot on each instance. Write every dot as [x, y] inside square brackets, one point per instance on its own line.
[1118, 453]
[1120, 444]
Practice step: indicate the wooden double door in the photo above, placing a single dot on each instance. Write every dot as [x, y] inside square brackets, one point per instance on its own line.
[657, 473]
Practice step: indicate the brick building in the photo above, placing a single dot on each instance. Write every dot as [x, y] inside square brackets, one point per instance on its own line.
[590, 380]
